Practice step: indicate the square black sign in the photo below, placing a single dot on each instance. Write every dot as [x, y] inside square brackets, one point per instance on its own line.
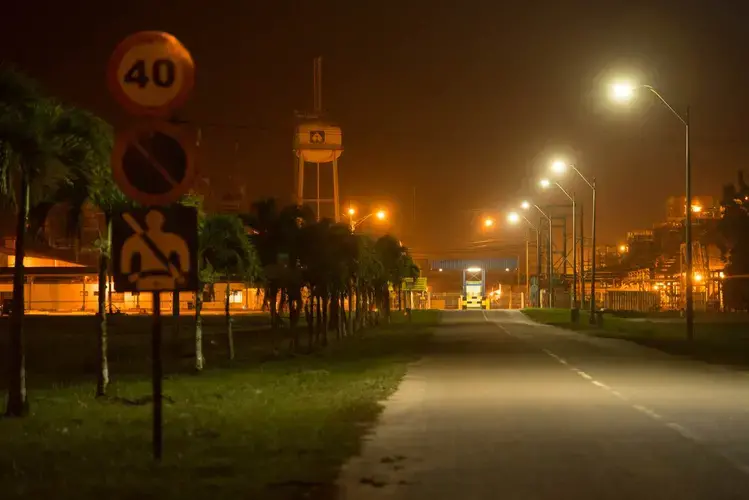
[155, 249]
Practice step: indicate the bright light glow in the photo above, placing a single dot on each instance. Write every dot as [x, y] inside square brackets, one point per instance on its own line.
[351, 211]
[622, 92]
[473, 269]
[655, 287]
[513, 218]
[696, 209]
[697, 277]
[559, 167]
[488, 222]
[440, 269]
[507, 269]
[525, 205]
[544, 183]
[622, 248]
[381, 214]
[721, 275]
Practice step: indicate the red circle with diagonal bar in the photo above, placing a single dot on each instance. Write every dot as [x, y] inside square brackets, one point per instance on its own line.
[151, 73]
[153, 163]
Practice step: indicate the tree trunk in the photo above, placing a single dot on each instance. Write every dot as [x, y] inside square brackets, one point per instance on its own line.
[199, 359]
[175, 320]
[350, 320]
[325, 301]
[273, 306]
[18, 404]
[295, 305]
[364, 309]
[334, 320]
[343, 321]
[318, 319]
[227, 312]
[101, 349]
[309, 314]
[110, 277]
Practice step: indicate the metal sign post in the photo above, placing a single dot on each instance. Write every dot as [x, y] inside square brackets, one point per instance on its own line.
[151, 75]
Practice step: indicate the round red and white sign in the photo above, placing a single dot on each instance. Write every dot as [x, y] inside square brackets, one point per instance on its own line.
[151, 73]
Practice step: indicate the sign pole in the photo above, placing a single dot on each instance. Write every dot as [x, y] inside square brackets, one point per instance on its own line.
[151, 74]
[158, 442]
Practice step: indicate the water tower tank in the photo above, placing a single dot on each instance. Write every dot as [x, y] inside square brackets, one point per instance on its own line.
[318, 142]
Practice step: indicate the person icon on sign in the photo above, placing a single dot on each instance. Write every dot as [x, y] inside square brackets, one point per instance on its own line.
[155, 252]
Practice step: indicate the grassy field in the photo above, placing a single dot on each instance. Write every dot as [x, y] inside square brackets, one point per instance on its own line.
[721, 338]
[277, 428]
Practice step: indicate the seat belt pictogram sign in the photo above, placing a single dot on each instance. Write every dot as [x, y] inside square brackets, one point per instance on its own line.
[155, 249]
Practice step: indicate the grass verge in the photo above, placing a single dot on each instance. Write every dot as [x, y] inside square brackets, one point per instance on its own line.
[718, 338]
[274, 430]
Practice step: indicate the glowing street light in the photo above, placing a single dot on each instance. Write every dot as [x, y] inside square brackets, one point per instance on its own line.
[696, 209]
[544, 183]
[513, 217]
[697, 277]
[559, 167]
[622, 248]
[488, 222]
[380, 215]
[625, 92]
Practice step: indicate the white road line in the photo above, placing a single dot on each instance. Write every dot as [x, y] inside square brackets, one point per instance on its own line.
[618, 395]
[683, 431]
[647, 411]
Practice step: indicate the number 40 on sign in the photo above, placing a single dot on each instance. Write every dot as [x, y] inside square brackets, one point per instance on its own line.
[151, 74]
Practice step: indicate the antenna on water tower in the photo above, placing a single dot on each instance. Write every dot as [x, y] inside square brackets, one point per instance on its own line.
[317, 141]
[317, 85]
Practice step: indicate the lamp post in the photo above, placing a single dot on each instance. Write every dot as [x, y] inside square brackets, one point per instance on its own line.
[560, 167]
[514, 218]
[526, 205]
[625, 92]
[573, 305]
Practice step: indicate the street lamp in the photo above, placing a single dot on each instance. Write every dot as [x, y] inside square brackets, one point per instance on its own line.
[353, 224]
[514, 218]
[560, 167]
[488, 222]
[526, 205]
[625, 92]
[544, 183]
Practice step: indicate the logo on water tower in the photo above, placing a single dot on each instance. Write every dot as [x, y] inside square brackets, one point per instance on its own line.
[317, 137]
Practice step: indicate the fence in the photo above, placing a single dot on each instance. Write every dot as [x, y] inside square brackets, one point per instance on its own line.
[632, 300]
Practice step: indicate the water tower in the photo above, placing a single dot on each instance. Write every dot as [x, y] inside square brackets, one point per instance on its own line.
[319, 142]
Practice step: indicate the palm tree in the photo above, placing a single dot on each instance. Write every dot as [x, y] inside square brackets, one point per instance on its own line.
[44, 146]
[277, 236]
[91, 181]
[105, 194]
[226, 249]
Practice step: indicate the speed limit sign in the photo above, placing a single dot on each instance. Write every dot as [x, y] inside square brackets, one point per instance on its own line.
[151, 73]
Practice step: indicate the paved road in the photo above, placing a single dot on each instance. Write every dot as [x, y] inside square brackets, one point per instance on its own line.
[503, 408]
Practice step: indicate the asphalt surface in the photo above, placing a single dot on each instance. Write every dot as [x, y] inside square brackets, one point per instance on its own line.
[503, 408]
